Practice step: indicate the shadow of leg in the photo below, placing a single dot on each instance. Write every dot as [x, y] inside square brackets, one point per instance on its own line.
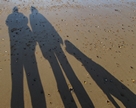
[78, 88]
[34, 82]
[63, 90]
[17, 98]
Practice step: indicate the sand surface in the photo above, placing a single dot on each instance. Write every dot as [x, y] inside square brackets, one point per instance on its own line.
[68, 54]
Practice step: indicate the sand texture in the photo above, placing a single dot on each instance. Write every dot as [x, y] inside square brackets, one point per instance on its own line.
[67, 54]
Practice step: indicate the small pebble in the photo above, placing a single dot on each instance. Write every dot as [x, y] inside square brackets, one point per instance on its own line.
[71, 89]
[105, 79]
[85, 82]
[49, 95]
[116, 10]
[131, 67]
[108, 101]
[41, 91]
[133, 81]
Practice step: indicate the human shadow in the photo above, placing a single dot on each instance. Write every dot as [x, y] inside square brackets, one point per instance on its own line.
[22, 48]
[108, 83]
[50, 45]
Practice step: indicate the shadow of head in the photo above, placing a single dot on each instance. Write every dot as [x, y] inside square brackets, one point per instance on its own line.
[15, 9]
[33, 9]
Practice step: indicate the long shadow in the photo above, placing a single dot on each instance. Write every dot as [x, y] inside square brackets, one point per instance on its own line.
[22, 47]
[108, 83]
[50, 45]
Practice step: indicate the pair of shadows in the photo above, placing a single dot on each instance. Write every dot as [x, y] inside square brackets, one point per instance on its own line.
[22, 46]
[108, 83]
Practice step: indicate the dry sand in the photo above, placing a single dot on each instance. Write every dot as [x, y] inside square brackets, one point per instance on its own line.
[85, 54]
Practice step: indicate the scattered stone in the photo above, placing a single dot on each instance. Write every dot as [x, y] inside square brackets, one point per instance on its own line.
[119, 46]
[116, 10]
[133, 80]
[97, 56]
[49, 95]
[71, 89]
[34, 79]
[105, 79]
[108, 101]
[28, 74]
[14, 29]
[111, 81]
[122, 94]
[85, 82]
[131, 67]
[41, 91]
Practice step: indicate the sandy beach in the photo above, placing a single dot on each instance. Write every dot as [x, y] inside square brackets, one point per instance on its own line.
[68, 54]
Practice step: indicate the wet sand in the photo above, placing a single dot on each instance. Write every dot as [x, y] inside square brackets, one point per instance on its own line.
[75, 54]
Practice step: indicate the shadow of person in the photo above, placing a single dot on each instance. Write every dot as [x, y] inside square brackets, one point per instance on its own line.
[108, 83]
[50, 45]
[22, 47]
